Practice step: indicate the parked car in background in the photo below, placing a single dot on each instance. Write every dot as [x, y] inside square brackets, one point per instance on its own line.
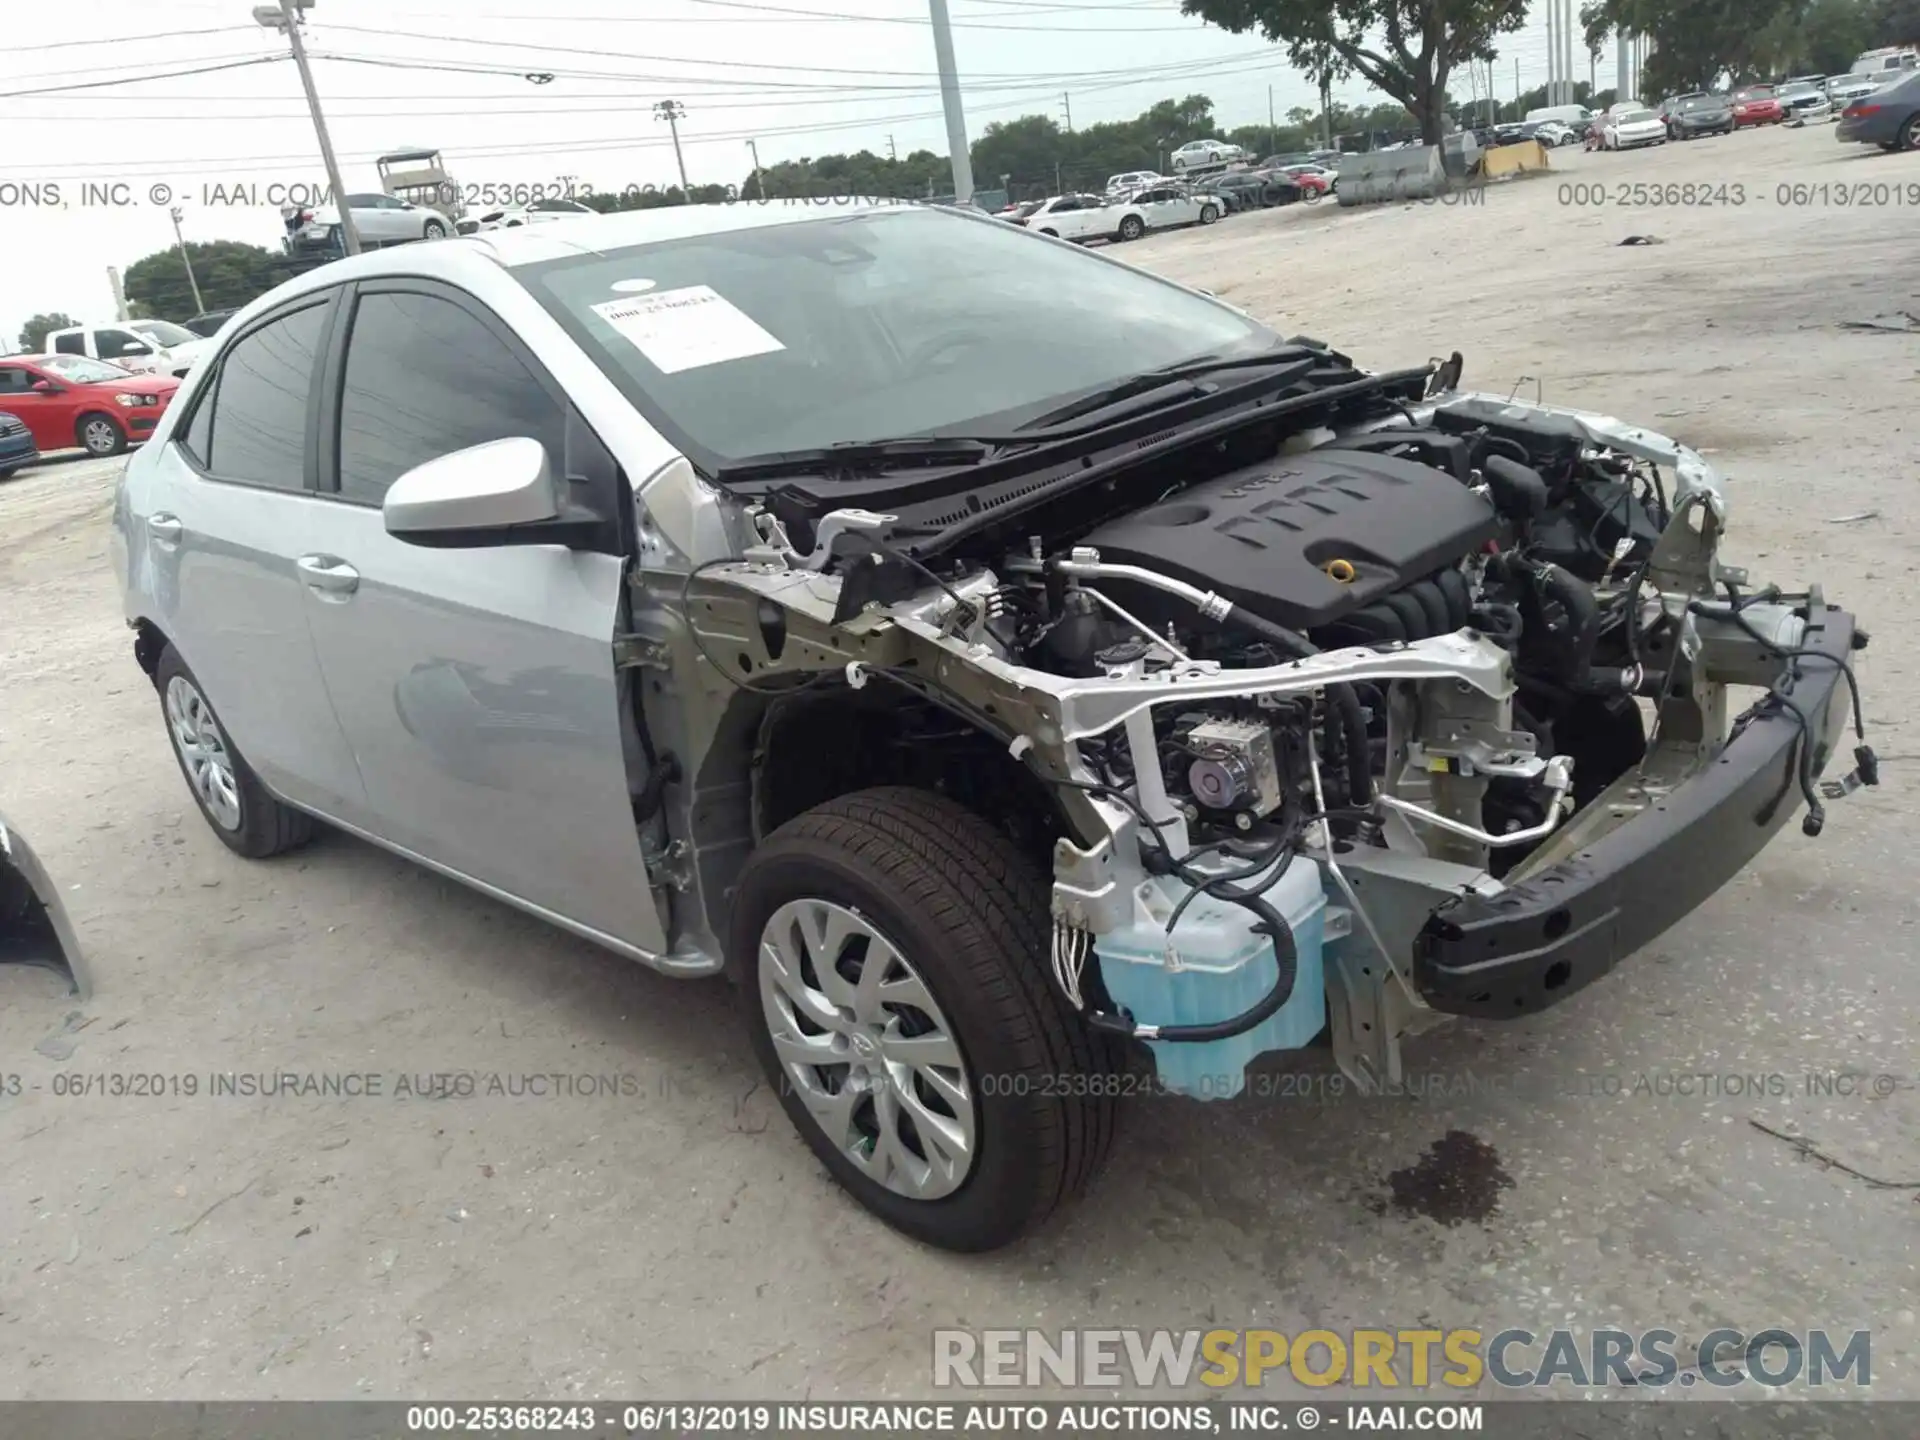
[1230, 200]
[1313, 180]
[17, 445]
[1555, 133]
[69, 401]
[1019, 214]
[1889, 117]
[153, 347]
[1757, 105]
[1261, 188]
[1196, 153]
[1631, 129]
[1691, 116]
[1127, 181]
[1072, 217]
[377, 219]
[1805, 101]
[1162, 207]
[514, 216]
[1843, 90]
[208, 325]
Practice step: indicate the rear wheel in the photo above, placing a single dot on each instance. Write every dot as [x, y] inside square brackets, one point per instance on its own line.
[433, 230]
[9, 472]
[890, 945]
[1910, 133]
[1208, 214]
[247, 819]
[100, 434]
[1132, 228]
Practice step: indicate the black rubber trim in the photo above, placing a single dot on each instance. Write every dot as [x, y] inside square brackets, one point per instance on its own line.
[1519, 952]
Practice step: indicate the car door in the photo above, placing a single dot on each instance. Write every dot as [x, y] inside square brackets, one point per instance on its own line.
[477, 686]
[48, 417]
[230, 498]
[374, 216]
[124, 348]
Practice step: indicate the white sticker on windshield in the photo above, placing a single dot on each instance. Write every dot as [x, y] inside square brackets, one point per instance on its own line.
[687, 328]
[631, 287]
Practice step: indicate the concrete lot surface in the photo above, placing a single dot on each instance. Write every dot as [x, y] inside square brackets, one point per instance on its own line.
[674, 1237]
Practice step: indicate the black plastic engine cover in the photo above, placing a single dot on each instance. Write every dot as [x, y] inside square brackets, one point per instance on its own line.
[1262, 537]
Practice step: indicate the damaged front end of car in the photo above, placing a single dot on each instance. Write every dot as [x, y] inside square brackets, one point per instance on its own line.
[34, 929]
[1396, 703]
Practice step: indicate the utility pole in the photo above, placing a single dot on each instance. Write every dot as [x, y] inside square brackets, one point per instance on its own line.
[1553, 52]
[892, 154]
[1326, 108]
[286, 16]
[671, 111]
[1066, 100]
[199, 305]
[1273, 131]
[759, 190]
[119, 294]
[950, 102]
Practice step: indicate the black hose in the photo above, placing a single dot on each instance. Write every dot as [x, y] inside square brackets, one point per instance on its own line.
[1583, 613]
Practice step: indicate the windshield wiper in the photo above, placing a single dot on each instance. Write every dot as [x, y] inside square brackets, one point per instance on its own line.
[1167, 377]
[909, 452]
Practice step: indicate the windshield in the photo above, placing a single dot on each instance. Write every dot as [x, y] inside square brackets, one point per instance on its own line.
[163, 331]
[1791, 90]
[868, 326]
[1758, 92]
[83, 371]
[1635, 117]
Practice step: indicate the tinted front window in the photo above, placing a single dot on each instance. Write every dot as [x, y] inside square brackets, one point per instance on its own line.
[259, 421]
[14, 380]
[425, 378]
[73, 344]
[868, 325]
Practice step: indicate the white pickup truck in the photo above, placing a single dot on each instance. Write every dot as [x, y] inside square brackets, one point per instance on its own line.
[1124, 217]
[147, 347]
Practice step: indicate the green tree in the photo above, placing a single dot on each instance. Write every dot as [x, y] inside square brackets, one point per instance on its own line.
[33, 335]
[230, 274]
[1406, 48]
[1697, 41]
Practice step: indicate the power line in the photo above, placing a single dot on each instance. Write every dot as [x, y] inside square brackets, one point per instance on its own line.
[137, 79]
[13, 49]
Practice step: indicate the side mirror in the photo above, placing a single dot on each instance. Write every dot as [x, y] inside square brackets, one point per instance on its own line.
[134, 347]
[45, 387]
[498, 493]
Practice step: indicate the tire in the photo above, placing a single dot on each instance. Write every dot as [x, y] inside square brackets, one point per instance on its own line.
[1910, 134]
[9, 472]
[247, 819]
[1132, 227]
[1208, 214]
[433, 230]
[966, 916]
[99, 434]
[1054, 233]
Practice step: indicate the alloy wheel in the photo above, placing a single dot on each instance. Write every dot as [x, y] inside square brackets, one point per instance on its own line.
[867, 1048]
[99, 437]
[202, 747]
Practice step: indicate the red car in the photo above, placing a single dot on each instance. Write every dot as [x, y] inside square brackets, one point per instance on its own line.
[69, 400]
[1313, 180]
[1757, 105]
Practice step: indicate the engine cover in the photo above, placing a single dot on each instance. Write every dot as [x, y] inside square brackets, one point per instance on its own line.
[1267, 537]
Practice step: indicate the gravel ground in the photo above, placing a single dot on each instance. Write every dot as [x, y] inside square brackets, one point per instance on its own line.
[678, 1239]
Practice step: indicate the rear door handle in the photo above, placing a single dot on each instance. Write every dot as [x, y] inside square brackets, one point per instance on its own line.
[165, 528]
[328, 574]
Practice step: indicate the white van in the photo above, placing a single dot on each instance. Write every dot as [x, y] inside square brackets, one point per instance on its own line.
[1577, 116]
[1888, 58]
[147, 347]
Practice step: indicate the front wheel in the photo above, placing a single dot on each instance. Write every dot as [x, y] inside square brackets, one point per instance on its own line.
[9, 472]
[891, 946]
[1910, 134]
[433, 230]
[100, 435]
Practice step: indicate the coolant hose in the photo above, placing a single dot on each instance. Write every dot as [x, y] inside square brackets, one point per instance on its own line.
[1286, 965]
[1583, 613]
[1343, 700]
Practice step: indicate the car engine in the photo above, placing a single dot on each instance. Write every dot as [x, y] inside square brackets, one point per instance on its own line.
[1394, 702]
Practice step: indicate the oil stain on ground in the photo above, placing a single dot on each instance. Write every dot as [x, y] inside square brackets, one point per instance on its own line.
[1459, 1179]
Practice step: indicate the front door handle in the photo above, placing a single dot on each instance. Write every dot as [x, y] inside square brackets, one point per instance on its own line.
[165, 528]
[328, 574]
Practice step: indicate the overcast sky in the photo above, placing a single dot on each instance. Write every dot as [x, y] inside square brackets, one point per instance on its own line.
[802, 85]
